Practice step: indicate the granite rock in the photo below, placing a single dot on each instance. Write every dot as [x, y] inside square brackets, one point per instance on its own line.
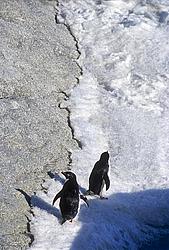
[38, 69]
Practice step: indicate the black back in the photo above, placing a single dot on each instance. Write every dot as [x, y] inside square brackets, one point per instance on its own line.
[100, 174]
[69, 201]
[69, 197]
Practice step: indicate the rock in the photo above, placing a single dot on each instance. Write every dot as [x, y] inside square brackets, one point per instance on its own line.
[38, 65]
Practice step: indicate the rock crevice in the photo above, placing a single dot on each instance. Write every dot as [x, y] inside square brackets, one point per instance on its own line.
[38, 60]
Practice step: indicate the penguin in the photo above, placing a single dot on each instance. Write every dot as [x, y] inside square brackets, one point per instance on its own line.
[99, 176]
[69, 197]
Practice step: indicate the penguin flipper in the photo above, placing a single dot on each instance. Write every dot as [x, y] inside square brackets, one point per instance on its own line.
[107, 181]
[56, 197]
[84, 199]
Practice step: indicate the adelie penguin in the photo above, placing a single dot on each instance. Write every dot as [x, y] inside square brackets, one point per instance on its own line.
[69, 197]
[99, 176]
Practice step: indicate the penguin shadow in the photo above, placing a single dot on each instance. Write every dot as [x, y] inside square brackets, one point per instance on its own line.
[56, 177]
[110, 221]
[60, 179]
[35, 201]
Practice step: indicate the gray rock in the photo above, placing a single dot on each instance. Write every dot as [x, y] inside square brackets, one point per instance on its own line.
[37, 67]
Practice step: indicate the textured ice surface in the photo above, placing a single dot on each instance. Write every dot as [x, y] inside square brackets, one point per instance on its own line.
[120, 105]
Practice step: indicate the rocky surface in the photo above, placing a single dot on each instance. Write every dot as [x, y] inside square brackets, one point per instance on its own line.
[38, 65]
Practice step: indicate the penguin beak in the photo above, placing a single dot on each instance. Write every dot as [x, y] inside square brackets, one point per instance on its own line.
[63, 173]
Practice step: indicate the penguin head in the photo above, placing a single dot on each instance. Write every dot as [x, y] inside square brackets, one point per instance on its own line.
[69, 175]
[104, 157]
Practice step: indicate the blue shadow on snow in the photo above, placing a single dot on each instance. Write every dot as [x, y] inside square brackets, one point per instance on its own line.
[138, 220]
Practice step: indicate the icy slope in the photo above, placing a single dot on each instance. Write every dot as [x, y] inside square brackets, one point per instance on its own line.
[119, 105]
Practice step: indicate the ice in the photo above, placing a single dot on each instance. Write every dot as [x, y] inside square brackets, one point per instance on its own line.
[120, 105]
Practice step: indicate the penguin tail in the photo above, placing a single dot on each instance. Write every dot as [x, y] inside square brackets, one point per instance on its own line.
[63, 221]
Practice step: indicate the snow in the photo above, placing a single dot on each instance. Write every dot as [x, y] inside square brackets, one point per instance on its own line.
[120, 105]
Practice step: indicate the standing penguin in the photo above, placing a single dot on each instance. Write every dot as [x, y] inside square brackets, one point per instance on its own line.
[99, 176]
[69, 197]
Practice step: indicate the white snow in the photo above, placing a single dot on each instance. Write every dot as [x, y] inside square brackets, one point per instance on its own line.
[120, 105]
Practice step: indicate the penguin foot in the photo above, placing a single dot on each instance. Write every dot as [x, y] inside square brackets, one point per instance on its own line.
[103, 198]
[64, 220]
[89, 192]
